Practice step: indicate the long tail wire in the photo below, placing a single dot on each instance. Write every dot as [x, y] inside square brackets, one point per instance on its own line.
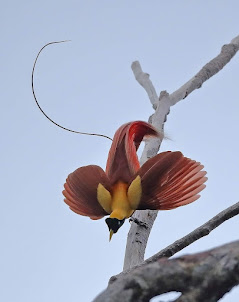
[34, 95]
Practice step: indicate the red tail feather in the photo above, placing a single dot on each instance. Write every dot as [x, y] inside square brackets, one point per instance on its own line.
[123, 161]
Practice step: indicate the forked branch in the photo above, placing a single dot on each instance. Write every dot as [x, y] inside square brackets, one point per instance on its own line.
[138, 236]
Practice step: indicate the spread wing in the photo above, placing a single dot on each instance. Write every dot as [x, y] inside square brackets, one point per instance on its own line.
[170, 180]
[81, 191]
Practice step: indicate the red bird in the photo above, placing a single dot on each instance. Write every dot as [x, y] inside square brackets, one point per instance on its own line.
[166, 181]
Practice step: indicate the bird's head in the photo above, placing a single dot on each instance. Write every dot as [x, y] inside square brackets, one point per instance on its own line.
[114, 224]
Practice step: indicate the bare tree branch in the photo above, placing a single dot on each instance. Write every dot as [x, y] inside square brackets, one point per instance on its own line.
[185, 241]
[198, 233]
[138, 235]
[204, 276]
[210, 69]
[143, 80]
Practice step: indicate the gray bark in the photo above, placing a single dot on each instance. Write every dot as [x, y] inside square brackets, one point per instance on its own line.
[205, 276]
[139, 234]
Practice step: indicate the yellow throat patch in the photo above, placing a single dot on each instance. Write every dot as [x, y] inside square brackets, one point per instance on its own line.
[123, 200]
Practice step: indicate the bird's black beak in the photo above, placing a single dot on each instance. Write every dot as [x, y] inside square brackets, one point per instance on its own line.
[114, 224]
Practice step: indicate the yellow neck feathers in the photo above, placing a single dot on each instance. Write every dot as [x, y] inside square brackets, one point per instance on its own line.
[124, 198]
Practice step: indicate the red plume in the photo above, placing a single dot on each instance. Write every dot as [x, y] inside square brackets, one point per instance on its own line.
[170, 180]
[166, 181]
[81, 191]
[123, 161]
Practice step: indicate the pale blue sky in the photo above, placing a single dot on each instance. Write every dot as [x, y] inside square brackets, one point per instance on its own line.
[48, 252]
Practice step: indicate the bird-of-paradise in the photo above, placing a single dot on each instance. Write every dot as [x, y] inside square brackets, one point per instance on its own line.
[166, 181]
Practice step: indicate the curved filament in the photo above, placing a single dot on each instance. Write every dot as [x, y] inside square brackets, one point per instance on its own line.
[34, 95]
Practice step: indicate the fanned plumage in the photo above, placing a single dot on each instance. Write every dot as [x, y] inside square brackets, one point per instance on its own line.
[81, 191]
[123, 161]
[164, 182]
[170, 180]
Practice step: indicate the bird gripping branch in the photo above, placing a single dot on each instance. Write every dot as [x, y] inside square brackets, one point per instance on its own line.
[166, 181]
